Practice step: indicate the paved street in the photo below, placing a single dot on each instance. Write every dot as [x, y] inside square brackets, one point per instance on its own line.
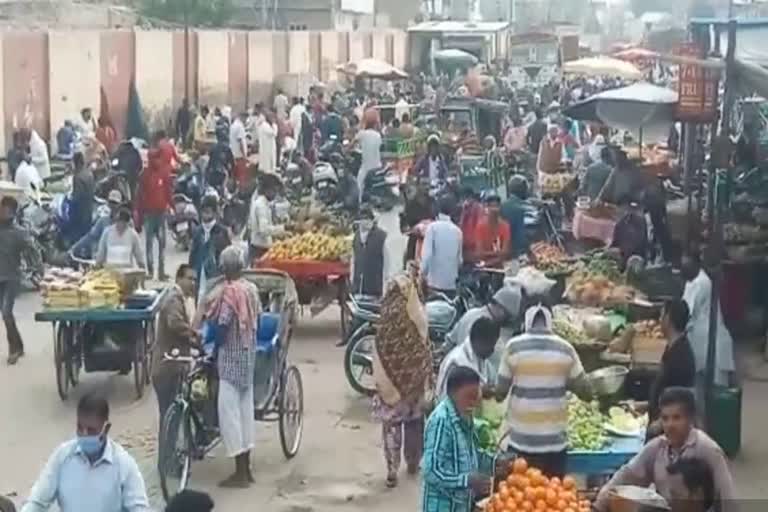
[340, 464]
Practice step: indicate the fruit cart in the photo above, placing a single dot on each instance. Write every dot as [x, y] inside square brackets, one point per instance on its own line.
[314, 278]
[109, 339]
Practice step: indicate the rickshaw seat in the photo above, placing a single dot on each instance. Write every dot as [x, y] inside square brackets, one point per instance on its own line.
[268, 331]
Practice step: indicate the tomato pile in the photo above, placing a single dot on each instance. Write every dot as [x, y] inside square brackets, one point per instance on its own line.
[527, 489]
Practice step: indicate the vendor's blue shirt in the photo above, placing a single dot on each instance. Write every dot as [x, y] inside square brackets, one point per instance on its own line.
[513, 213]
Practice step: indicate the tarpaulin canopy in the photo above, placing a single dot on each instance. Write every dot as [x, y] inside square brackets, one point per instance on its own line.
[751, 78]
[602, 66]
[455, 56]
[638, 107]
[372, 68]
[636, 54]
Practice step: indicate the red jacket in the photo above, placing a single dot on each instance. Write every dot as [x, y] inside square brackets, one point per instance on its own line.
[155, 190]
[163, 156]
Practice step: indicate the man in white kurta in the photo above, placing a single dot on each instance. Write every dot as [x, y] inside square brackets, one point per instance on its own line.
[697, 294]
[268, 145]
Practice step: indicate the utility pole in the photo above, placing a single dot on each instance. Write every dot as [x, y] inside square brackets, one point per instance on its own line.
[186, 50]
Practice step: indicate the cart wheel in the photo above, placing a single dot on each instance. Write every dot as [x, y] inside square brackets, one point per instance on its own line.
[174, 453]
[76, 359]
[151, 335]
[140, 366]
[61, 360]
[291, 411]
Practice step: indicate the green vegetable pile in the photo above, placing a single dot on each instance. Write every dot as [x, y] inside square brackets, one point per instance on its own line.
[569, 332]
[585, 425]
[487, 423]
[605, 266]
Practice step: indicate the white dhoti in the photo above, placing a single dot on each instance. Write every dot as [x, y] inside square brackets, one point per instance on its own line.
[236, 418]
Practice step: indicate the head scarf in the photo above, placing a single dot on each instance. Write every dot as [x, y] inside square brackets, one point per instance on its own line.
[531, 315]
[237, 303]
[403, 356]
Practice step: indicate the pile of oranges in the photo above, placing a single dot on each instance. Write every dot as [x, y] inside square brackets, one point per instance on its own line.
[528, 490]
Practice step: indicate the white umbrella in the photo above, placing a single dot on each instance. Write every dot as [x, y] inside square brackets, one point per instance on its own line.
[455, 56]
[603, 66]
[641, 107]
[372, 68]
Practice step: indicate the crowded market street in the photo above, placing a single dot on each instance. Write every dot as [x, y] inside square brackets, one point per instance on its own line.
[340, 463]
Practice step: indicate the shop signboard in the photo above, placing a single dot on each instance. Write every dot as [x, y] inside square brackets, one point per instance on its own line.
[697, 87]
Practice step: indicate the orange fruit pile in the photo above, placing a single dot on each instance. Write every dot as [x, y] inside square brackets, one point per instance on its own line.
[528, 490]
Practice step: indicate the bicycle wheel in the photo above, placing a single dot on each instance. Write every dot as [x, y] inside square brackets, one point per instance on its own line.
[174, 454]
[291, 412]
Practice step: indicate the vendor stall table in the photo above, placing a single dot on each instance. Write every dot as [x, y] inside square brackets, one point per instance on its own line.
[606, 461]
[592, 228]
[312, 276]
[76, 345]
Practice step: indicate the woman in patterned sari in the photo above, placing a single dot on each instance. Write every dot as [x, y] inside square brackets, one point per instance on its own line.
[402, 370]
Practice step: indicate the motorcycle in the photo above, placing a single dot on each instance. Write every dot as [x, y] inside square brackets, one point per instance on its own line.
[183, 220]
[442, 315]
[382, 188]
[325, 182]
[33, 220]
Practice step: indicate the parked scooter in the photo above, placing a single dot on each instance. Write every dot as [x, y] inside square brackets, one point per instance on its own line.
[442, 315]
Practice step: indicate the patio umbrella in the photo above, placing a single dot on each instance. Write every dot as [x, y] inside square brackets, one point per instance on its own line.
[641, 108]
[636, 54]
[372, 68]
[603, 66]
[455, 56]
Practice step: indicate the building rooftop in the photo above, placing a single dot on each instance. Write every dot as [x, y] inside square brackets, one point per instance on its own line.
[459, 26]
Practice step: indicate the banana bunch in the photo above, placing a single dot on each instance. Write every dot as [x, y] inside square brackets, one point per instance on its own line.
[310, 246]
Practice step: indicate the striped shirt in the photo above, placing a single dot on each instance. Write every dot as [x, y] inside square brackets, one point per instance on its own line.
[451, 454]
[539, 366]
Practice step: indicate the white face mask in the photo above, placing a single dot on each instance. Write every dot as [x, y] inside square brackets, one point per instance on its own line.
[209, 225]
[366, 226]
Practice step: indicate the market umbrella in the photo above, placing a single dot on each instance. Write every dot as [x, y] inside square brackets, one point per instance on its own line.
[603, 66]
[372, 68]
[455, 56]
[636, 54]
[641, 108]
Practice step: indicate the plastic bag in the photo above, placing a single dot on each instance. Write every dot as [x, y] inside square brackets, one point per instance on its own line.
[534, 281]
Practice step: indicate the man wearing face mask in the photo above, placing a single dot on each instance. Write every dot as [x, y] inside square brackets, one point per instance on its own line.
[260, 216]
[90, 473]
[370, 265]
[208, 240]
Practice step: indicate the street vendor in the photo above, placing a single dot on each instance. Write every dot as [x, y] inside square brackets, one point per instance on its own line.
[536, 370]
[473, 352]
[492, 236]
[120, 245]
[260, 217]
[681, 441]
[513, 213]
[597, 173]
[370, 263]
[550, 151]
